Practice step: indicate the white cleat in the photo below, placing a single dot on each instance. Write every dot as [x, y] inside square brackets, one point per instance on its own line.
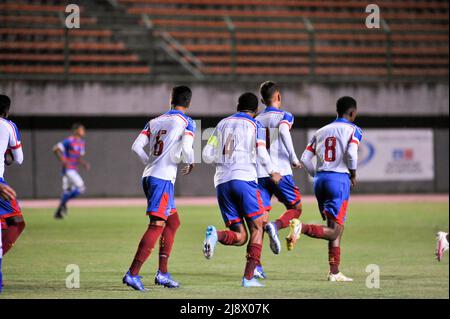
[442, 244]
[272, 232]
[339, 277]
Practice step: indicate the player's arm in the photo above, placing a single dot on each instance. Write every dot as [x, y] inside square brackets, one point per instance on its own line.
[352, 154]
[59, 150]
[140, 143]
[187, 151]
[210, 150]
[263, 155]
[307, 157]
[285, 134]
[6, 192]
[15, 145]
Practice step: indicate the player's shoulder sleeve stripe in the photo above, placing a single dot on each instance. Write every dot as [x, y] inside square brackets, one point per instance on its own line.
[191, 126]
[15, 133]
[358, 133]
[146, 130]
[288, 119]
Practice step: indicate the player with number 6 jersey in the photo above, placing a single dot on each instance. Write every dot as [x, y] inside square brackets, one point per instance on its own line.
[170, 137]
[335, 147]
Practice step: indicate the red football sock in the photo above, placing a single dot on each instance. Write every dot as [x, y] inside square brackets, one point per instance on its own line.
[145, 247]
[283, 220]
[227, 237]
[334, 258]
[166, 241]
[11, 234]
[253, 258]
[315, 231]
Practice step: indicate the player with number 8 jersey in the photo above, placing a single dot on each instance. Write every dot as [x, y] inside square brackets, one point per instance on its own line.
[335, 147]
[170, 137]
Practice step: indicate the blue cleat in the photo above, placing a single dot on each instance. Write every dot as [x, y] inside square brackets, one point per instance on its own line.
[272, 232]
[134, 282]
[165, 280]
[247, 283]
[210, 242]
[259, 273]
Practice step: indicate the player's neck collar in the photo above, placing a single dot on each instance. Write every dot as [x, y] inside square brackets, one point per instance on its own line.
[271, 109]
[343, 120]
[243, 114]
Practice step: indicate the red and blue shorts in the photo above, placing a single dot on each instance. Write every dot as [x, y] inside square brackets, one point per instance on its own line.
[286, 191]
[332, 191]
[160, 197]
[239, 200]
[8, 208]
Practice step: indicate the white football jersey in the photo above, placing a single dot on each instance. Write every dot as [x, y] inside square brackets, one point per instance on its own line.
[9, 139]
[165, 134]
[235, 139]
[330, 144]
[271, 119]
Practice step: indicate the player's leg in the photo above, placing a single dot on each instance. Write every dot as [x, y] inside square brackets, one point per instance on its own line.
[11, 214]
[163, 276]
[66, 187]
[266, 189]
[252, 208]
[236, 235]
[259, 270]
[15, 226]
[157, 193]
[442, 244]
[254, 249]
[77, 186]
[288, 193]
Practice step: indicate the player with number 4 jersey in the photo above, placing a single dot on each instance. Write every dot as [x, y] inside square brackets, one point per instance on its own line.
[234, 147]
[170, 137]
[335, 147]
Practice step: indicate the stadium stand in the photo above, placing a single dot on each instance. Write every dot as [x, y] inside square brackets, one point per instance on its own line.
[226, 39]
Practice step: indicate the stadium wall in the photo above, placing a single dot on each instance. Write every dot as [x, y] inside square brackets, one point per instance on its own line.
[88, 98]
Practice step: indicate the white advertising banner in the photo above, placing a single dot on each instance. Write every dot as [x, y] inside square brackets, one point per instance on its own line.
[395, 155]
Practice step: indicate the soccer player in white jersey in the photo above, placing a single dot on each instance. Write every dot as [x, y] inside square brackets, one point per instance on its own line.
[234, 147]
[278, 124]
[442, 244]
[336, 148]
[12, 223]
[170, 137]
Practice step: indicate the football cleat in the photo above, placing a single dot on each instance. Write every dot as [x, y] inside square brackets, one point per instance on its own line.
[295, 230]
[133, 282]
[210, 242]
[259, 273]
[442, 244]
[58, 213]
[64, 209]
[339, 277]
[272, 232]
[247, 283]
[165, 280]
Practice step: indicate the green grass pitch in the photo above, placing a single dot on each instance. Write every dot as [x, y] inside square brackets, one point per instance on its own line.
[397, 237]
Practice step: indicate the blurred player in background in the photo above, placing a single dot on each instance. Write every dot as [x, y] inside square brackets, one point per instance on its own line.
[232, 147]
[278, 124]
[70, 153]
[442, 244]
[170, 137]
[336, 148]
[11, 219]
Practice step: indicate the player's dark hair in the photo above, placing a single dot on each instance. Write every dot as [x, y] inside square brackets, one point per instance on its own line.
[248, 102]
[76, 126]
[5, 103]
[267, 91]
[181, 96]
[345, 105]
